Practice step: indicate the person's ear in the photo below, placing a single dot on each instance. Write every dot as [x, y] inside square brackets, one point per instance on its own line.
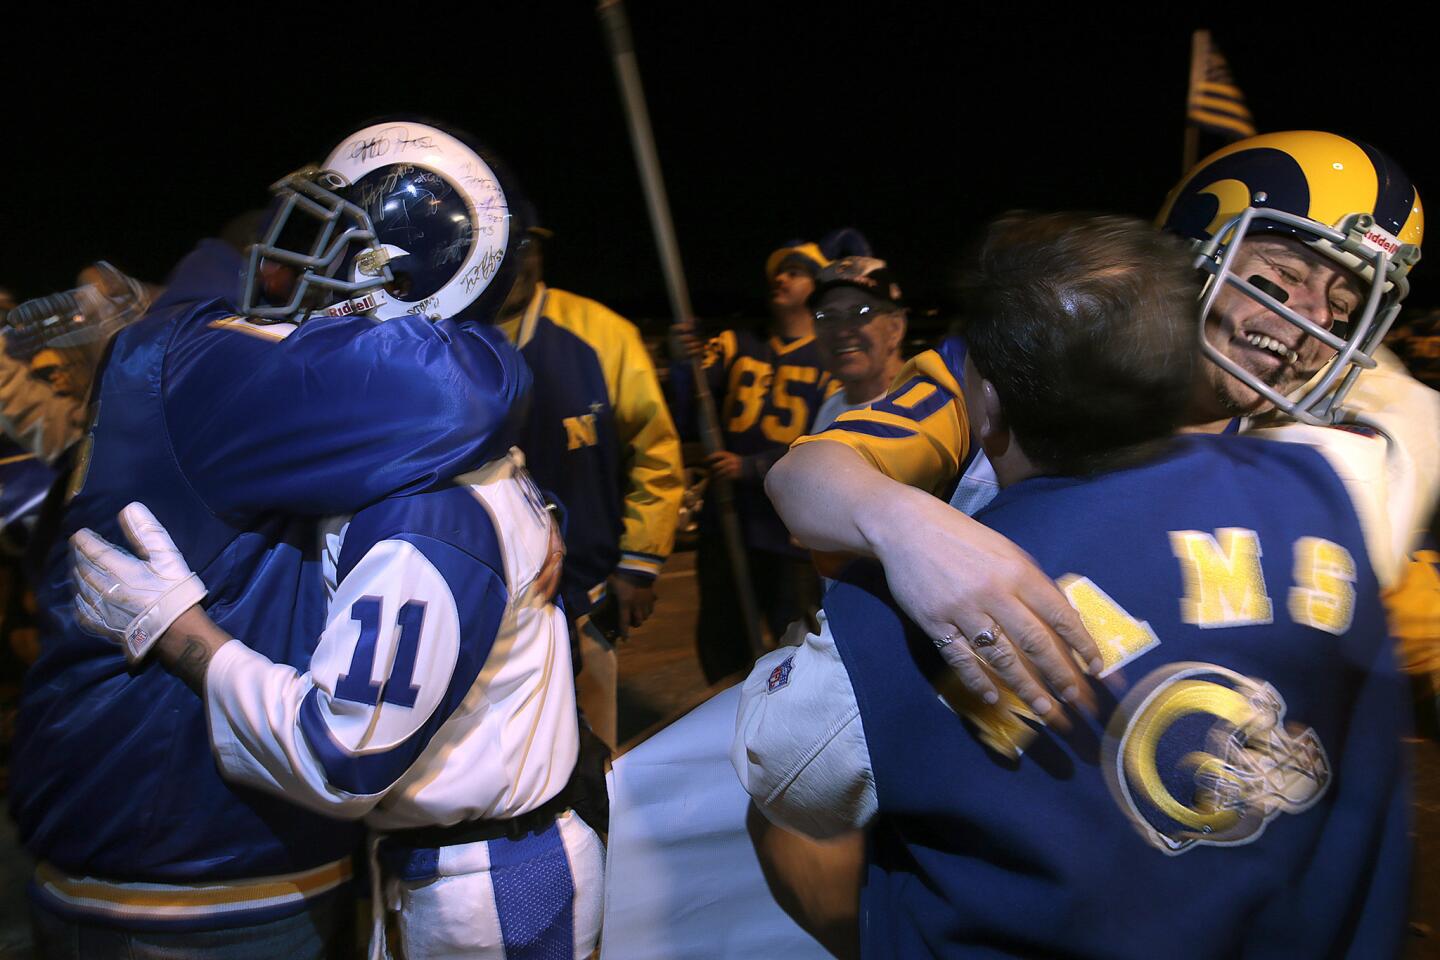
[993, 426]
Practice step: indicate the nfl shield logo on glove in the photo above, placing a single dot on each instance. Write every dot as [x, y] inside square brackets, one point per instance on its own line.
[780, 676]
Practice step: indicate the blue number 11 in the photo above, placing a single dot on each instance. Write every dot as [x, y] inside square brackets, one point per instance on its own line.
[355, 685]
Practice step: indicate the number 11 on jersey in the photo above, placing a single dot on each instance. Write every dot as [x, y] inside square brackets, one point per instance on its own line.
[357, 685]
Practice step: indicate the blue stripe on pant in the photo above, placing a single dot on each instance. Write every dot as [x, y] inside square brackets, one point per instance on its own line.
[534, 896]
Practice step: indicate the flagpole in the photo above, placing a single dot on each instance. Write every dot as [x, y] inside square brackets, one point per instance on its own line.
[1199, 54]
[632, 95]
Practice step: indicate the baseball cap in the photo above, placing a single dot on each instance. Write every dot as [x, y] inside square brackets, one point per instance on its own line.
[799, 254]
[864, 273]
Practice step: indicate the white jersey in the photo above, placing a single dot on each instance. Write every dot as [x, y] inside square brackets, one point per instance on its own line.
[441, 689]
[1386, 449]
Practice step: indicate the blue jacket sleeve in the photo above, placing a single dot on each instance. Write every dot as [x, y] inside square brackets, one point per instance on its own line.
[337, 413]
[213, 270]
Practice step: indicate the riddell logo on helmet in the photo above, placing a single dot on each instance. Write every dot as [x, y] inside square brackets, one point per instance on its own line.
[1381, 240]
[360, 305]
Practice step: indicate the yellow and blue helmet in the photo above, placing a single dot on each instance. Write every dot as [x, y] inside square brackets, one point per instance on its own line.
[1343, 199]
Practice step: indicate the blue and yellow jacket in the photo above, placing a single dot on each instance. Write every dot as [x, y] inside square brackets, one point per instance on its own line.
[1241, 792]
[600, 438]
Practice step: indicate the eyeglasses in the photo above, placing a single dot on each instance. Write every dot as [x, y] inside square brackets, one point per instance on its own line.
[853, 317]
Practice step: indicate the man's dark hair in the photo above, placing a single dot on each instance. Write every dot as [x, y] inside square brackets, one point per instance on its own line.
[1085, 324]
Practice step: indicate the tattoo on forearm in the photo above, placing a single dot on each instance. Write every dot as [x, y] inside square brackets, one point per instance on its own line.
[192, 663]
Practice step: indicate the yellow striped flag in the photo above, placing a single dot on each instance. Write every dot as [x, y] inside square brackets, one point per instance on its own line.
[1216, 104]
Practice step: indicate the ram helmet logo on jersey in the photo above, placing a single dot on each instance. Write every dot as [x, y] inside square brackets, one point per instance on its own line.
[1198, 754]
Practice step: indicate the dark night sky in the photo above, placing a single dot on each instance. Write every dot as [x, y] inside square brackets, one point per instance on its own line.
[913, 121]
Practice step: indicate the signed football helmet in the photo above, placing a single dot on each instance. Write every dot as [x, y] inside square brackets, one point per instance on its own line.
[402, 218]
[1344, 199]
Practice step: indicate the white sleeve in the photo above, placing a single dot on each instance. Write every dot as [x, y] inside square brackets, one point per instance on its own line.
[799, 745]
[1392, 470]
[336, 738]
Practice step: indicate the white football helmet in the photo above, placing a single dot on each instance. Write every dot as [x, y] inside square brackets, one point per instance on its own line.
[402, 218]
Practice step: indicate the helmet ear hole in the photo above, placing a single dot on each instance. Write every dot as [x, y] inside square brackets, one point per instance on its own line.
[400, 287]
[400, 204]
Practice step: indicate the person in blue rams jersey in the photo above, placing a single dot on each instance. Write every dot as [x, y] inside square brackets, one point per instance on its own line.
[252, 400]
[1242, 789]
[600, 439]
[767, 392]
[1306, 239]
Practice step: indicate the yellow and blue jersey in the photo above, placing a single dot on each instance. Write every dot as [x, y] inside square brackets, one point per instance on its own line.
[600, 438]
[767, 393]
[918, 434]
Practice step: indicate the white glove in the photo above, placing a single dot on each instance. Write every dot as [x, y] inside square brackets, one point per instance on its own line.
[132, 599]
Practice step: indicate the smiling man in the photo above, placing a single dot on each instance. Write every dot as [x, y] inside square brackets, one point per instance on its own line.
[1246, 332]
[1309, 239]
[859, 323]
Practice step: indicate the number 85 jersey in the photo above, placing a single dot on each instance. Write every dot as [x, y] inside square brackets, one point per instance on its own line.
[440, 690]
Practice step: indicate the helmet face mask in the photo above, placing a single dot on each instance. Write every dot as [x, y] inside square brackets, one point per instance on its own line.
[1347, 204]
[1352, 247]
[335, 225]
[402, 219]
